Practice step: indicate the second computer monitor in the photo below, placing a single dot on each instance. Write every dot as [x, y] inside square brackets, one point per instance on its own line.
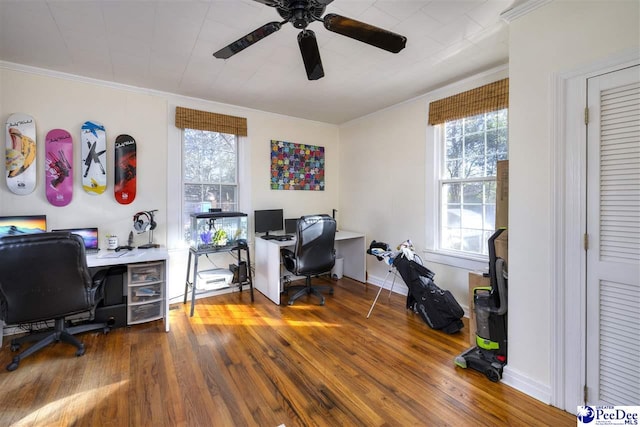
[268, 220]
[290, 225]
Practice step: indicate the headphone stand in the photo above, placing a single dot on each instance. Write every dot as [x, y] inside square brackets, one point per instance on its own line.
[150, 244]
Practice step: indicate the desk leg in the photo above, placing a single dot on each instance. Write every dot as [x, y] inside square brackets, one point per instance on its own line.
[249, 274]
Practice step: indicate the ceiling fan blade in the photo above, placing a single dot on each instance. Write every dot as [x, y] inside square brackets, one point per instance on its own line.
[365, 33]
[248, 40]
[310, 54]
[272, 3]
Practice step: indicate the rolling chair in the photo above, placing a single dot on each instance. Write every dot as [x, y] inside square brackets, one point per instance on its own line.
[45, 277]
[313, 254]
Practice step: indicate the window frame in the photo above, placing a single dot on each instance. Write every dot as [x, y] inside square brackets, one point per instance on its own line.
[183, 183]
[442, 180]
[433, 153]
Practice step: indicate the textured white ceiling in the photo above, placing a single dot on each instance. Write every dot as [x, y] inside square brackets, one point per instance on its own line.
[168, 46]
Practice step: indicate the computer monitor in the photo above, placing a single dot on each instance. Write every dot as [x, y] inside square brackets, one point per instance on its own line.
[22, 224]
[268, 220]
[290, 225]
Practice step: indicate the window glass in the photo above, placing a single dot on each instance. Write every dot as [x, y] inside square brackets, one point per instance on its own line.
[472, 147]
[209, 173]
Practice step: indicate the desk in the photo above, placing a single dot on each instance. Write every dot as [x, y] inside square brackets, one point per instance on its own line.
[350, 246]
[139, 263]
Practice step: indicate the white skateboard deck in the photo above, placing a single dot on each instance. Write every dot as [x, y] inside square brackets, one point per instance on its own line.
[21, 153]
[93, 139]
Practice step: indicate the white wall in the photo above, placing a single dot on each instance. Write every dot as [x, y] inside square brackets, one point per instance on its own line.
[391, 154]
[388, 154]
[557, 38]
[254, 179]
[62, 101]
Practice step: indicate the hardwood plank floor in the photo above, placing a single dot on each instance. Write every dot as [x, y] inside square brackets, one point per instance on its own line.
[240, 364]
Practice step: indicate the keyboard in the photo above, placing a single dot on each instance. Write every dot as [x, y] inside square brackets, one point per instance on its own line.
[279, 237]
[284, 237]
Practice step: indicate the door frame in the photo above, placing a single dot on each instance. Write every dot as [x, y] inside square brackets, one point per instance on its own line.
[568, 203]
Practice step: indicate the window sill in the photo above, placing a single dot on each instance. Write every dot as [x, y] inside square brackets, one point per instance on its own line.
[456, 260]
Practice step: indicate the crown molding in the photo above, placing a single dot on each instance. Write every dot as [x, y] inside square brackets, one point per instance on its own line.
[520, 8]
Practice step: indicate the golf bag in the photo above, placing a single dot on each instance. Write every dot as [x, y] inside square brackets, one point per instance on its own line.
[437, 307]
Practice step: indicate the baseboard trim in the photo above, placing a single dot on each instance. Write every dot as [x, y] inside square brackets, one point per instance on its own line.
[398, 287]
[528, 386]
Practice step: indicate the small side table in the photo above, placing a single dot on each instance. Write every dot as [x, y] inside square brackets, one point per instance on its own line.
[196, 253]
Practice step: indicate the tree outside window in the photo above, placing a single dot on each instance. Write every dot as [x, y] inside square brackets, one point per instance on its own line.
[209, 174]
[472, 147]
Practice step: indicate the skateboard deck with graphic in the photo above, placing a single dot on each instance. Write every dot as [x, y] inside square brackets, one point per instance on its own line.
[93, 139]
[20, 157]
[125, 169]
[59, 167]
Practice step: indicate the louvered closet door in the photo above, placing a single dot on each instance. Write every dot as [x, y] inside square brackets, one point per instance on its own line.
[613, 225]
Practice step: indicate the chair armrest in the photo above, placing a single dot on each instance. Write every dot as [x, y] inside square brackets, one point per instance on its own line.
[99, 278]
[96, 292]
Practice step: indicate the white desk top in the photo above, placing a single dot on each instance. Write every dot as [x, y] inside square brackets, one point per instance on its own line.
[340, 235]
[106, 257]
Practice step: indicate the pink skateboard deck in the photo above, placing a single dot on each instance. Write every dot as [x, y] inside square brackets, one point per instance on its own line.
[21, 153]
[59, 170]
[125, 169]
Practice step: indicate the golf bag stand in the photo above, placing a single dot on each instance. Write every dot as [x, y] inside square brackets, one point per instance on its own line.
[489, 355]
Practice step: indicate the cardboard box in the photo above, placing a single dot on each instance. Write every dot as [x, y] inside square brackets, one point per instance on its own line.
[502, 194]
[502, 209]
[476, 280]
[502, 247]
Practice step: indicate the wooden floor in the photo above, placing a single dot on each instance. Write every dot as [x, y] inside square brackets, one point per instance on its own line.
[240, 364]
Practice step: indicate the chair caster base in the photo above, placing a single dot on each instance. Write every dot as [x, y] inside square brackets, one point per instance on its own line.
[13, 365]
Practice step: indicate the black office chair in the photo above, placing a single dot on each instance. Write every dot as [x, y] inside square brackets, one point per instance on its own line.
[45, 277]
[314, 254]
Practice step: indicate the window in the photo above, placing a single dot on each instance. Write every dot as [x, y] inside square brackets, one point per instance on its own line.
[209, 173]
[471, 147]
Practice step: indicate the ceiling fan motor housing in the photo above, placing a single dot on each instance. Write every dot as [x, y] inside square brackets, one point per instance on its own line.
[301, 12]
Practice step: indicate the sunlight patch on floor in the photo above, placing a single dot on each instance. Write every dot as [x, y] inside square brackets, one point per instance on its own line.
[51, 411]
[245, 315]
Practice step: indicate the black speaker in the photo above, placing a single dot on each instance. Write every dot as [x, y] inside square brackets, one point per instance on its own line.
[239, 272]
[114, 315]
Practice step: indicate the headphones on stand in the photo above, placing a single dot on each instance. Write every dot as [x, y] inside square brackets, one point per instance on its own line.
[143, 221]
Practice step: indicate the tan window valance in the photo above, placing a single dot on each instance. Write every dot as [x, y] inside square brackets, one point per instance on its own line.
[491, 97]
[186, 118]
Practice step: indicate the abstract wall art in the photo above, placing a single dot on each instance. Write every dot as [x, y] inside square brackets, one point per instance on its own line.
[296, 166]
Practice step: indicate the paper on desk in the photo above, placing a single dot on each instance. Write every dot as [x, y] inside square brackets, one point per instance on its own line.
[118, 254]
